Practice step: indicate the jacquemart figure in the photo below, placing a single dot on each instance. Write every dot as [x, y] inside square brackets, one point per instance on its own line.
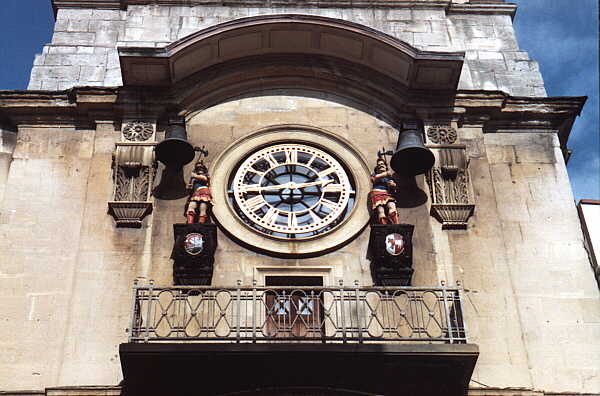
[200, 199]
[382, 200]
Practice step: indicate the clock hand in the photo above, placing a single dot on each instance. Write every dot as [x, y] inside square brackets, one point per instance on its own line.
[274, 187]
[310, 184]
[290, 185]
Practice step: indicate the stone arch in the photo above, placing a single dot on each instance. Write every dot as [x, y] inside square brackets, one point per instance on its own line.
[296, 55]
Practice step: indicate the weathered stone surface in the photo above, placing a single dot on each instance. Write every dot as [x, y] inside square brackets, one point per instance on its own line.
[531, 302]
[427, 29]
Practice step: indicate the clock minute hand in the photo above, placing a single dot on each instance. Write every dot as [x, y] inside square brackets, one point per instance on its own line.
[310, 184]
[290, 185]
[274, 187]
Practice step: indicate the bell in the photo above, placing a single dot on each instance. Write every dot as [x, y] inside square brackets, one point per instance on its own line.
[174, 152]
[411, 156]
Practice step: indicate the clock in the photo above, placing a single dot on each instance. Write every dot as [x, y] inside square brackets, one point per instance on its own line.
[292, 191]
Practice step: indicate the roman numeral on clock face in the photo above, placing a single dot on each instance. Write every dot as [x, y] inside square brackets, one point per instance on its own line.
[255, 203]
[271, 216]
[333, 188]
[292, 220]
[314, 216]
[271, 160]
[326, 172]
[291, 156]
[329, 204]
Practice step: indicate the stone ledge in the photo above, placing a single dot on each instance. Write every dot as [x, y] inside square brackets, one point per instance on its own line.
[484, 8]
[164, 368]
[116, 391]
[69, 391]
[494, 109]
[479, 7]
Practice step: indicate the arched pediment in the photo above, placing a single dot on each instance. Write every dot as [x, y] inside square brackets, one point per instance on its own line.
[262, 38]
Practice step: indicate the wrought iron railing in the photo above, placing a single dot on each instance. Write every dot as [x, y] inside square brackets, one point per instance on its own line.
[317, 314]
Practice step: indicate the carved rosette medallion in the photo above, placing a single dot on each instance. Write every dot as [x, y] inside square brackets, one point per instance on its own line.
[441, 134]
[138, 131]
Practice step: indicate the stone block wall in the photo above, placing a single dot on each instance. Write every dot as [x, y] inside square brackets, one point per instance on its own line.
[8, 139]
[531, 302]
[83, 49]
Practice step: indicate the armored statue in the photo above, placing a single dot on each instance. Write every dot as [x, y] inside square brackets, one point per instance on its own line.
[200, 199]
[381, 196]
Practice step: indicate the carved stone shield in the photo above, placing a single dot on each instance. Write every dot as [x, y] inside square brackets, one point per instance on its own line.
[193, 243]
[394, 244]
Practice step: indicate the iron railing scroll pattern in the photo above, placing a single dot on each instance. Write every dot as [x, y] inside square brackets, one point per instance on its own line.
[312, 314]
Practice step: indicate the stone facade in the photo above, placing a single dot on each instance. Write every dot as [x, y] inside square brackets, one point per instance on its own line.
[83, 49]
[531, 300]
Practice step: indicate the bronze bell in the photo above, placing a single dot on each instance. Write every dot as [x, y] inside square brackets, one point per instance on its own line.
[174, 152]
[411, 156]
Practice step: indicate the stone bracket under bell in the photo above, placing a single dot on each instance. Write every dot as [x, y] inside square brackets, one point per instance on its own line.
[452, 216]
[133, 171]
[129, 214]
[390, 252]
[449, 182]
[193, 253]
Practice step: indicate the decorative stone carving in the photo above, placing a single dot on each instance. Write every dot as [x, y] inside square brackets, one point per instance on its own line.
[129, 214]
[449, 185]
[134, 169]
[138, 131]
[390, 252]
[441, 134]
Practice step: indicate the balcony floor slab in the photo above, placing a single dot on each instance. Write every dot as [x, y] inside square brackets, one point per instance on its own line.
[224, 368]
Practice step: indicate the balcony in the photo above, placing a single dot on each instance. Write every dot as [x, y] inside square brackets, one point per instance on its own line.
[377, 340]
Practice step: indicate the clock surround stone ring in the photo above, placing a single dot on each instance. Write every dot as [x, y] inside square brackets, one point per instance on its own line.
[291, 191]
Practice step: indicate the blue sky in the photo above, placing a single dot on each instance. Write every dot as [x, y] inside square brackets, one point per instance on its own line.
[562, 35]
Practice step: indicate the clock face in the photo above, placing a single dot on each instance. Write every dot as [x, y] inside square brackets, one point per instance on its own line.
[292, 191]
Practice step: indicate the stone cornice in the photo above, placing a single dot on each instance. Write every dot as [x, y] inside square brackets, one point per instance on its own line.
[548, 106]
[498, 8]
[497, 111]
[493, 110]
[70, 107]
[493, 7]
[95, 4]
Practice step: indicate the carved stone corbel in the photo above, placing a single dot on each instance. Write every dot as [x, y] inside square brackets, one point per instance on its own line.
[449, 181]
[134, 168]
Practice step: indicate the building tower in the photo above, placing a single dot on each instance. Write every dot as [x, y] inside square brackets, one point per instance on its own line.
[307, 198]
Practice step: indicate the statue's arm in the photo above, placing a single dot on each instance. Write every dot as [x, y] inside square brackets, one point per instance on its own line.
[380, 176]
